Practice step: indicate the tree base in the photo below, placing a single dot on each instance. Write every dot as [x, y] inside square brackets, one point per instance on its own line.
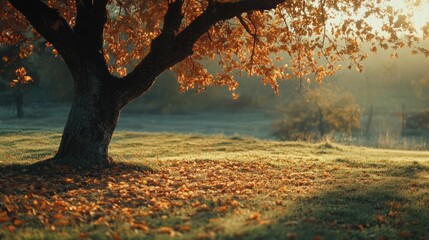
[68, 163]
[59, 165]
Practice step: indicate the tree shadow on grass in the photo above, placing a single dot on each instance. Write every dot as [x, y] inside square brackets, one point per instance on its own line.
[395, 208]
[49, 180]
[43, 169]
[409, 171]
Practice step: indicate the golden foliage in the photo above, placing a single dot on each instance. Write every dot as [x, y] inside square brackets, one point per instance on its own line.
[313, 36]
[22, 77]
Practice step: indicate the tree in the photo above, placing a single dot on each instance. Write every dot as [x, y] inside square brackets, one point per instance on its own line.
[326, 110]
[13, 67]
[421, 87]
[100, 39]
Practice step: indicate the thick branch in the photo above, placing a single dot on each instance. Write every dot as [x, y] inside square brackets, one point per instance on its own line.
[81, 50]
[219, 12]
[90, 20]
[179, 47]
[172, 20]
[51, 25]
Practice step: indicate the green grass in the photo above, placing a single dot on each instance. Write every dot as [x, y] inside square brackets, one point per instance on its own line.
[214, 187]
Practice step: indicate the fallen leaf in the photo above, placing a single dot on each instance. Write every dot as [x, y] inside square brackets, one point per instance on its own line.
[99, 221]
[17, 223]
[62, 222]
[379, 218]
[254, 216]
[4, 217]
[10, 228]
[223, 209]
[116, 236]
[185, 228]
[141, 226]
[404, 234]
[165, 230]
[83, 235]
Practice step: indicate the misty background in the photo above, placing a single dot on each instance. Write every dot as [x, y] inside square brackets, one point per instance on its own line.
[387, 99]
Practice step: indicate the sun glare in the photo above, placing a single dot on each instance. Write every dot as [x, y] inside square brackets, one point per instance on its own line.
[420, 13]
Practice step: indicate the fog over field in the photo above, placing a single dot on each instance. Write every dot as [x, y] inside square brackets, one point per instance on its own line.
[387, 89]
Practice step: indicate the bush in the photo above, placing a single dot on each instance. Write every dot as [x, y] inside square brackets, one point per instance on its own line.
[325, 111]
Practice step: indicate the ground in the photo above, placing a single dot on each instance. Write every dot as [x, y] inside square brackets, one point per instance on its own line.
[213, 187]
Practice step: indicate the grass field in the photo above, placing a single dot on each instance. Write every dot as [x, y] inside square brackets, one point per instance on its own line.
[214, 187]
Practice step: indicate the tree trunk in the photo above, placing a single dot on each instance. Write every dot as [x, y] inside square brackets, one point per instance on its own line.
[19, 102]
[92, 119]
[321, 123]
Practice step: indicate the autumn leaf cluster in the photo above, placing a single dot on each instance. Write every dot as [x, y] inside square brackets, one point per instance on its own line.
[303, 39]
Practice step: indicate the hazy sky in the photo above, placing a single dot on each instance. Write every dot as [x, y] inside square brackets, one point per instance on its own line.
[421, 14]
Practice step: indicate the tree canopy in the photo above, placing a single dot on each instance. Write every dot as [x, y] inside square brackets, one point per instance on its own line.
[247, 36]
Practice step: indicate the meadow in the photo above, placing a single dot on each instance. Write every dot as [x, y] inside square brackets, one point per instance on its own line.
[191, 186]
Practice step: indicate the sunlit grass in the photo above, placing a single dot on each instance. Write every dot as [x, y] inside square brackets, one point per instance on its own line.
[207, 187]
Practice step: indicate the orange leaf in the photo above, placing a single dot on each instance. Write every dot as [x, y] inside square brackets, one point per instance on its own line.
[68, 180]
[379, 218]
[58, 216]
[4, 217]
[185, 228]
[254, 216]
[223, 209]
[10, 228]
[166, 230]
[100, 220]
[17, 222]
[203, 207]
[62, 222]
[404, 234]
[83, 235]
[141, 226]
[116, 236]
[392, 214]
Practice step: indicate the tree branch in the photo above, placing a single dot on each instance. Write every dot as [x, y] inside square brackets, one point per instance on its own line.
[219, 12]
[50, 25]
[254, 35]
[90, 20]
[180, 46]
[172, 21]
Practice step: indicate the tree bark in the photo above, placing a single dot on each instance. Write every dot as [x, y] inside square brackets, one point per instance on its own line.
[92, 119]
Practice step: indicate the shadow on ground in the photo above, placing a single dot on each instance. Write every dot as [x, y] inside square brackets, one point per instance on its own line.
[396, 208]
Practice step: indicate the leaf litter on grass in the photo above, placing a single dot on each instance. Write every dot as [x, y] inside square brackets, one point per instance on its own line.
[181, 198]
[273, 190]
